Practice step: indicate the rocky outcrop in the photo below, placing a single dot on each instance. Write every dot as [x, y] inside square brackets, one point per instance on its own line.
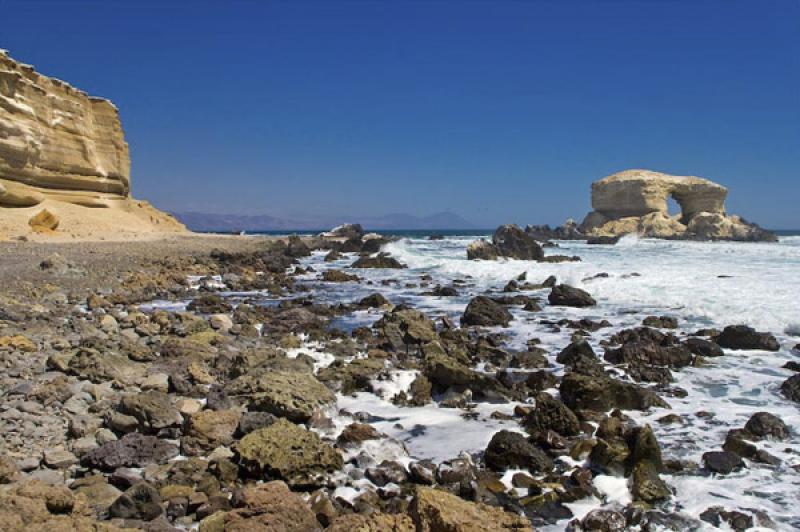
[635, 201]
[59, 145]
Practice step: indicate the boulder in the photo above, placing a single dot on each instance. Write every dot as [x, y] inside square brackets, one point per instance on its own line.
[635, 201]
[551, 414]
[338, 276]
[744, 337]
[433, 510]
[482, 311]
[602, 393]
[209, 429]
[132, 450]
[766, 425]
[650, 354]
[381, 260]
[153, 411]
[568, 296]
[270, 506]
[722, 462]
[288, 452]
[290, 394]
[510, 450]
[791, 388]
[374, 522]
[703, 347]
[508, 241]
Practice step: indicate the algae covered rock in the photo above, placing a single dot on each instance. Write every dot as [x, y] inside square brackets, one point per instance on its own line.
[290, 394]
[288, 452]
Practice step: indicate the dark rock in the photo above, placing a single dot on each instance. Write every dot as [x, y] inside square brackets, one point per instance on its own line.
[381, 260]
[422, 472]
[338, 276]
[251, 421]
[387, 472]
[541, 380]
[791, 388]
[569, 296]
[375, 300]
[576, 350]
[792, 365]
[602, 393]
[766, 425]
[513, 242]
[601, 520]
[132, 450]
[483, 311]
[738, 521]
[140, 501]
[744, 337]
[332, 255]
[551, 414]
[702, 347]
[722, 462]
[511, 450]
[603, 240]
[660, 322]
[650, 354]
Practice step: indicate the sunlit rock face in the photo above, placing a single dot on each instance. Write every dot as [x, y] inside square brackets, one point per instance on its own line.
[636, 201]
[56, 142]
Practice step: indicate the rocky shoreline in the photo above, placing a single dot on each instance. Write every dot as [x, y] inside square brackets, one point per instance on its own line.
[223, 413]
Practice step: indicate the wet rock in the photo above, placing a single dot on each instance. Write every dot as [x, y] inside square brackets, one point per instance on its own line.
[332, 256]
[647, 486]
[579, 349]
[601, 393]
[703, 347]
[288, 452]
[722, 462]
[568, 296]
[351, 377]
[356, 433]
[601, 520]
[650, 354]
[660, 322]
[132, 450]
[209, 429]
[375, 300]
[551, 414]
[387, 472]
[292, 395]
[140, 501]
[338, 276]
[209, 304]
[482, 311]
[422, 472]
[744, 337]
[381, 260]
[791, 388]
[766, 425]
[434, 510]
[717, 515]
[403, 327]
[482, 250]
[509, 450]
[539, 381]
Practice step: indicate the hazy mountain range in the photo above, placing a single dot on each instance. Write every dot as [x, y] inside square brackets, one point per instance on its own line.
[197, 221]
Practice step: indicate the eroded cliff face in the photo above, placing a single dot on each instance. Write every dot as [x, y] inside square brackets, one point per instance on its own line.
[60, 146]
[57, 142]
[636, 201]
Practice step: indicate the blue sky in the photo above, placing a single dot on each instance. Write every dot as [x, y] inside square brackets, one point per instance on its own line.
[498, 111]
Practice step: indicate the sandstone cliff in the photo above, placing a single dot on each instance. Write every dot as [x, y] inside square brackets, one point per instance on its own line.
[635, 201]
[61, 149]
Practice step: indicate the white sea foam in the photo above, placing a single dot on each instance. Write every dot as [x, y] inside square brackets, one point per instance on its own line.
[701, 284]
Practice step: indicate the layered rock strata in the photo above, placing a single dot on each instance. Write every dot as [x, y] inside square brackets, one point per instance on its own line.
[58, 144]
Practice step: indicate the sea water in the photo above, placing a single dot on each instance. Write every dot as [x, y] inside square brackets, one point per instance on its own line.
[702, 284]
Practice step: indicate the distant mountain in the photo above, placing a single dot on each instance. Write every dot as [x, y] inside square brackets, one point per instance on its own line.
[197, 221]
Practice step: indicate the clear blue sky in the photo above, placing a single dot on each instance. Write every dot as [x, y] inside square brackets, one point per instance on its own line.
[498, 111]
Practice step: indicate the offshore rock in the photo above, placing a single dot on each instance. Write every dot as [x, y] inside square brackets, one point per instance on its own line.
[635, 201]
[507, 241]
